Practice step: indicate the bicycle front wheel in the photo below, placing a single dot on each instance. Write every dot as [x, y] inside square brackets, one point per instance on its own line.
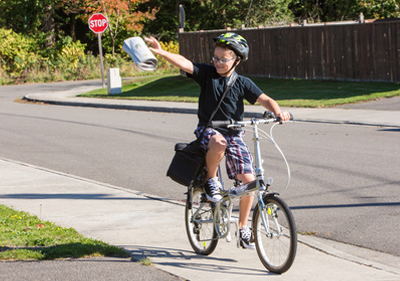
[275, 234]
[199, 221]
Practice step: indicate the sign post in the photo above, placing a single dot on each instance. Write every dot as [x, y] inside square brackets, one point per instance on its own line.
[98, 23]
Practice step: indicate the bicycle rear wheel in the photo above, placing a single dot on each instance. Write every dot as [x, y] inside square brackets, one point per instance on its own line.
[199, 223]
[275, 236]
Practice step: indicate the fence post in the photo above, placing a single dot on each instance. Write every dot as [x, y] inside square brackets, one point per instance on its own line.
[361, 18]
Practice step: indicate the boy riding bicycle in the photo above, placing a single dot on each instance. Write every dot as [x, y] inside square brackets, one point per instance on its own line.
[230, 50]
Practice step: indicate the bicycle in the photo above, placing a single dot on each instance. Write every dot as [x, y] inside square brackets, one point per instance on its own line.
[273, 225]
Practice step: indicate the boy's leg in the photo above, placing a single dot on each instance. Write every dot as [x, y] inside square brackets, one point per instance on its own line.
[215, 153]
[244, 212]
[246, 202]
[240, 165]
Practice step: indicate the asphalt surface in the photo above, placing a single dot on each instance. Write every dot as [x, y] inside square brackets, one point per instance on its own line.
[147, 226]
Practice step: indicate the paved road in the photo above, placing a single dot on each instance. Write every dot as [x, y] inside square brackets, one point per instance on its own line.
[390, 104]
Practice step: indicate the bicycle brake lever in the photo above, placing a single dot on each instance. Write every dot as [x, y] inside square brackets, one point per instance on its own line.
[268, 115]
[235, 127]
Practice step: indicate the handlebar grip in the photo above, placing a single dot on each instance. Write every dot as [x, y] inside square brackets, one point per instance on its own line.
[278, 119]
[215, 124]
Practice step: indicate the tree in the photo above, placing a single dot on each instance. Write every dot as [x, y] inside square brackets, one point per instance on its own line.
[337, 10]
[166, 22]
[216, 14]
[27, 16]
[120, 13]
[380, 9]
[73, 9]
[273, 12]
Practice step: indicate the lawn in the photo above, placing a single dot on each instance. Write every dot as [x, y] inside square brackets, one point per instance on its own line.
[25, 237]
[287, 92]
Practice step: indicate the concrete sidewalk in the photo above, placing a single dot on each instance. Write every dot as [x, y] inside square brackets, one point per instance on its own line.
[147, 226]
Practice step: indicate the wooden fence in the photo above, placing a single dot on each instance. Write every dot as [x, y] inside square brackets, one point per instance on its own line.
[361, 52]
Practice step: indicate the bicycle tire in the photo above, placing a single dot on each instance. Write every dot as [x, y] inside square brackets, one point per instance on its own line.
[275, 250]
[200, 229]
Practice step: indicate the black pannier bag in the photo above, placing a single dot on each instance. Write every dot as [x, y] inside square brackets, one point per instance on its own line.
[188, 164]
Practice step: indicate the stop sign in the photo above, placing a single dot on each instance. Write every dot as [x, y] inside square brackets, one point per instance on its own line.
[98, 23]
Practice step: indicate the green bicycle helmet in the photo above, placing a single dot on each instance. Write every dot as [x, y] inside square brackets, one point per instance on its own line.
[236, 43]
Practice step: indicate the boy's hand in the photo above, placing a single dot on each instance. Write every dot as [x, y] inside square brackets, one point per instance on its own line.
[155, 46]
[284, 116]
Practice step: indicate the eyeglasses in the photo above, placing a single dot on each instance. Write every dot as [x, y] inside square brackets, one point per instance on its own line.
[221, 61]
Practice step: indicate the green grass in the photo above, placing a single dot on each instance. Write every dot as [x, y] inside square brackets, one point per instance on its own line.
[145, 261]
[288, 93]
[25, 237]
[155, 88]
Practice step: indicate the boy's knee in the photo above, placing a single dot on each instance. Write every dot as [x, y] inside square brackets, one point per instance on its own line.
[217, 142]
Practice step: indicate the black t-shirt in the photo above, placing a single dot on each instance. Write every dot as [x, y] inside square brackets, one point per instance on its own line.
[212, 88]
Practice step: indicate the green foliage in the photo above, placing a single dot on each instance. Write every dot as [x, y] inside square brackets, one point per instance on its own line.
[146, 261]
[20, 54]
[25, 17]
[380, 9]
[267, 13]
[170, 47]
[166, 22]
[71, 53]
[337, 10]
[17, 52]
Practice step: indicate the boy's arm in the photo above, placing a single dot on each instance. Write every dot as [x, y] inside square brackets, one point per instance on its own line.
[273, 106]
[176, 59]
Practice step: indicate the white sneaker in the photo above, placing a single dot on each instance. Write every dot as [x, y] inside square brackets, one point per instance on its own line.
[212, 188]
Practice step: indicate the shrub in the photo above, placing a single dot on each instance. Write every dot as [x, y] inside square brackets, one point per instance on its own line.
[25, 59]
[72, 54]
[170, 47]
[17, 53]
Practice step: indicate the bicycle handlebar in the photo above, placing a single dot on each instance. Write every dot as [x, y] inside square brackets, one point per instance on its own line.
[215, 124]
[268, 117]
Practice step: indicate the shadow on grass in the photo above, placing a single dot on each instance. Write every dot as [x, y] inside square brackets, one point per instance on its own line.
[63, 251]
[166, 88]
[284, 89]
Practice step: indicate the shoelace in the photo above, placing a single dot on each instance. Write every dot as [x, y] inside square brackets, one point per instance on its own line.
[214, 190]
[245, 234]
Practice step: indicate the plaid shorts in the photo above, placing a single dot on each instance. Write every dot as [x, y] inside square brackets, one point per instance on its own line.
[237, 154]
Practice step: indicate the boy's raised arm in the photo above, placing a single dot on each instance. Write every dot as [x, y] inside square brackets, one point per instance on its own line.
[176, 59]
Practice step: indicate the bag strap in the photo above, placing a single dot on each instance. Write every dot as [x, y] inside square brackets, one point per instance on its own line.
[231, 81]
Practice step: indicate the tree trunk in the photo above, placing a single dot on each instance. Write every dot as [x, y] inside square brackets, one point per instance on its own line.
[72, 26]
[49, 26]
